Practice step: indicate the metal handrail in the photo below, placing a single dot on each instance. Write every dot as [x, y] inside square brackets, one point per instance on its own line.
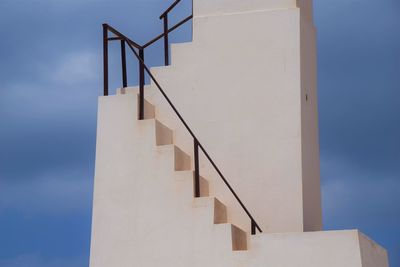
[176, 26]
[143, 68]
[121, 36]
[165, 13]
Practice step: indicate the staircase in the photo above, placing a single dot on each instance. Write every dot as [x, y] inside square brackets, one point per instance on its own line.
[176, 186]
[180, 162]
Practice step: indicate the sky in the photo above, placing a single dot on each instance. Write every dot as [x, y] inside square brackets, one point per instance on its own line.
[51, 75]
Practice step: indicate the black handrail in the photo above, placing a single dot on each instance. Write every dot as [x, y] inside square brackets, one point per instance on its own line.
[164, 16]
[165, 13]
[176, 26]
[120, 36]
[143, 68]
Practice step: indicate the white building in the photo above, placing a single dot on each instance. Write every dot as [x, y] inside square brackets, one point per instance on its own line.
[246, 86]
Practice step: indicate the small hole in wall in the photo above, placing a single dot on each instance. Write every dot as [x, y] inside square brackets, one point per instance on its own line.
[306, 97]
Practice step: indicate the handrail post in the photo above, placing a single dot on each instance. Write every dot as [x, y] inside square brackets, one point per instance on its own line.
[166, 42]
[105, 58]
[141, 84]
[196, 169]
[253, 227]
[123, 62]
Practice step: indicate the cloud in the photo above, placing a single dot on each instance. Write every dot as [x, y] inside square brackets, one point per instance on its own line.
[49, 129]
[77, 67]
[35, 260]
[358, 83]
[64, 88]
[56, 193]
[355, 198]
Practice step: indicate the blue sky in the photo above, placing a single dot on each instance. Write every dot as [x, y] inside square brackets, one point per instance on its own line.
[50, 77]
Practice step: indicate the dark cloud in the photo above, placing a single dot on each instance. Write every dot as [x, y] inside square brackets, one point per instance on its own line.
[359, 86]
[359, 93]
[50, 76]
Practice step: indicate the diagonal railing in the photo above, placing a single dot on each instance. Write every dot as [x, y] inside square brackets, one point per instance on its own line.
[138, 51]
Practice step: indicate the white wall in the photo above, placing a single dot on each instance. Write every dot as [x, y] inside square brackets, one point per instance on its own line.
[327, 249]
[309, 124]
[144, 213]
[240, 84]
[218, 7]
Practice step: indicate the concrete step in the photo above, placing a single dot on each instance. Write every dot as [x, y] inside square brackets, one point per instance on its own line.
[164, 135]
[186, 179]
[239, 238]
[219, 210]
[236, 236]
[149, 109]
[181, 160]
[157, 132]
[163, 113]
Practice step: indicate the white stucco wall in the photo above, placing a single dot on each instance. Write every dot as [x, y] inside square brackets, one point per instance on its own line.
[219, 7]
[372, 254]
[309, 124]
[144, 213]
[327, 249]
[241, 86]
